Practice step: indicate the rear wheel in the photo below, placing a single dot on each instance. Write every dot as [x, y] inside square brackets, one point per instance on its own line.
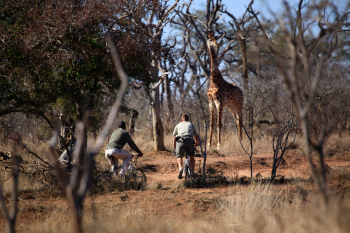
[186, 171]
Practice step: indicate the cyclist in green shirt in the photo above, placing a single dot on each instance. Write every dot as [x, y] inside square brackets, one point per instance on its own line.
[114, 149]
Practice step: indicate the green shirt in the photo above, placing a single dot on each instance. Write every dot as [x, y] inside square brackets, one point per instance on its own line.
[119, 138]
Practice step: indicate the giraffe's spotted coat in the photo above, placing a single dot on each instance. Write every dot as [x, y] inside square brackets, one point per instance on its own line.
[222, 93]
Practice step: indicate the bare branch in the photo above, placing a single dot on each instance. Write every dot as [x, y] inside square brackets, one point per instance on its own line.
[31, 152]
[11, 216]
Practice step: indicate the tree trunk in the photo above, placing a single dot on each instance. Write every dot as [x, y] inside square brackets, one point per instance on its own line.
[273, 172]
[251, 167]
[82, 133]
[134, 115]
[168, 99]
[158, 129]
[245, 66]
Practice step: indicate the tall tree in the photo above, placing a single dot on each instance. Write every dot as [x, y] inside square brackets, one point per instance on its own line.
[301, 67]
[149, 19]
[53, 58]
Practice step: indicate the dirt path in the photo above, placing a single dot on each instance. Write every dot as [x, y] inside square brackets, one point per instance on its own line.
[166, 194]
[162, 166]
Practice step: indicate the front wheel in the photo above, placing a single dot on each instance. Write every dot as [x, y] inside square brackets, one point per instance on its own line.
[138, 179]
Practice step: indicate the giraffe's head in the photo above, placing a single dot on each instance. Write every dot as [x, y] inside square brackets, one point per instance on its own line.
[211, 41]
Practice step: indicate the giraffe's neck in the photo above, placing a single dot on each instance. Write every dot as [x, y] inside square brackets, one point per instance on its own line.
[215, 76]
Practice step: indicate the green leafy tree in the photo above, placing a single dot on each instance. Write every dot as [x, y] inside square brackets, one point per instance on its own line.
[54, 59]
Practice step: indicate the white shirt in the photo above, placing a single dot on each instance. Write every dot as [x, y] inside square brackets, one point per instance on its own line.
[185, 129]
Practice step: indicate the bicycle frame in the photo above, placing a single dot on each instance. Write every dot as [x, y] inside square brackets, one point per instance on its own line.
[133, 177]
[187, 166]
[129, 169]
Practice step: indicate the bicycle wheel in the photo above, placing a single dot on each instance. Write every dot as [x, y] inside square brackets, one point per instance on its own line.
[186, 171]
[138, 179]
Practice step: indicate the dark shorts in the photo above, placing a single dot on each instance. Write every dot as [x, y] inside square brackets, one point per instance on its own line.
[184, 144]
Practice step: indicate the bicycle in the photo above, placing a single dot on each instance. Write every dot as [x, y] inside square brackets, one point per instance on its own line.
[187, 165]
[134, 177]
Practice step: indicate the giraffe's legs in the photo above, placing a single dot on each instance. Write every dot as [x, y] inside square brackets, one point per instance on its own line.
[239, 121]
[237, 114]
[212, 118]
[219, 109]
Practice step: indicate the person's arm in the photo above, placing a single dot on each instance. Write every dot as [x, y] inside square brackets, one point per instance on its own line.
[133, 145]
[174, 134]
[196, 141]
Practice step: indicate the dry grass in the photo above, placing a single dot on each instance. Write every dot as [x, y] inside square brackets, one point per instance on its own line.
[337, 144]
[255, 208]
[145, 142]
[230, 145]
[255, 202]
[338, 176]
[261, 208]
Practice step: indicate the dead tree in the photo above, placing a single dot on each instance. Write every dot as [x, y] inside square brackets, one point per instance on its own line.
[10, 217]
[134, 115]
[203, 146]
[301, 67]
[248, 129]
[281, 143]
[243, 28]
[168, 92]
[153, 25]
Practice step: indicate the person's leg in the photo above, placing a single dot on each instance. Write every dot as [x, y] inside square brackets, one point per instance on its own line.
[111, 159]
[190, 145]
[179, 154]
[192, 163]
[126, 157]
[179, 162]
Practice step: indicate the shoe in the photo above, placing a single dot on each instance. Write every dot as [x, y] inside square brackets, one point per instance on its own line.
[122, 172]
[180, 174]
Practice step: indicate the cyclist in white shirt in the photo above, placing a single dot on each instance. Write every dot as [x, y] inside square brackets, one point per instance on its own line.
[183, 138]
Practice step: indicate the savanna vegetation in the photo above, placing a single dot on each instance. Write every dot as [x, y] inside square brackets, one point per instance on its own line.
[71, 70]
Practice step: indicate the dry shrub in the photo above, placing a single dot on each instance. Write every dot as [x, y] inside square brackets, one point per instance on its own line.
[337, 144]
[105, 182]
[338, 176]
[31, 184]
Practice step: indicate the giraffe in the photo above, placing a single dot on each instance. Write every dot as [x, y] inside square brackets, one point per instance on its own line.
[222, 93]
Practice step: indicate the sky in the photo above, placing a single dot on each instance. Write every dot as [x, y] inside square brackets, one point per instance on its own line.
[238, 7]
